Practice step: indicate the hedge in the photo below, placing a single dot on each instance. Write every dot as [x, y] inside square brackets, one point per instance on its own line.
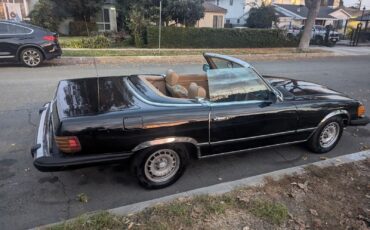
[180, 37]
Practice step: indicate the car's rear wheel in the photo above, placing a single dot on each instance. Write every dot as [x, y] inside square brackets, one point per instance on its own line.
[31, 57]
[327, 136]
[160, 166]
[319, 40]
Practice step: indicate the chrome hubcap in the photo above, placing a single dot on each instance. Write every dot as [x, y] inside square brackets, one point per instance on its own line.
[162, 165]
[31, 57]
[329, 134]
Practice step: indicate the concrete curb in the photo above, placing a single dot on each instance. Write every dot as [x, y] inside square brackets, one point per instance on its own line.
[250, 181]
[225, 187]
[188, 59]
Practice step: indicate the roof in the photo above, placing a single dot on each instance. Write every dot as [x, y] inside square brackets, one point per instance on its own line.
[302, 11]
[209, 7]
[354, 12]
[366, 17]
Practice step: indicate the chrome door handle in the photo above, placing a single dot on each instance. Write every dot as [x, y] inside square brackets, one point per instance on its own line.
[221, 118]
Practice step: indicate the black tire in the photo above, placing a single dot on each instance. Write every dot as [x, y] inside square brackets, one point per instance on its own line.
[144, 157]
[31, 57]
[316, 143]
[319, 40]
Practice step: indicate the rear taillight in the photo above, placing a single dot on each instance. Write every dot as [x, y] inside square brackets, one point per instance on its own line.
[69, 144]
[50, 38]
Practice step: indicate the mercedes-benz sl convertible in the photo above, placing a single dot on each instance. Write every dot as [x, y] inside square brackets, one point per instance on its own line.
[158, 122]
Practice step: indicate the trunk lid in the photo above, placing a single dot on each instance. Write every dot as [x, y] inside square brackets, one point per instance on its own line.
[90, 96]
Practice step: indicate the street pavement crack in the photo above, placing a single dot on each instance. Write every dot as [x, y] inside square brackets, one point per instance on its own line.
[282, 156]
[29, 118]
[68, 208]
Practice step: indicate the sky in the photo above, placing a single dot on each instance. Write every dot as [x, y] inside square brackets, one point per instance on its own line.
[365, 3]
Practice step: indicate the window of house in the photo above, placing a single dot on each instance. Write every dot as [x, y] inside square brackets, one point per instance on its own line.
[103, 20]
[231, 2]
[218, 2]
[238, 21]
[217, 21]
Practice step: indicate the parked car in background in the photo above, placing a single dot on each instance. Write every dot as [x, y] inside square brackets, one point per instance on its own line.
[27, 44]
[160, 121]
[291, 31]
[319, 33]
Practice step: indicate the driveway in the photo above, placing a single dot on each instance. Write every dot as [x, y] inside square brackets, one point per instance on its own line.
[30, 198]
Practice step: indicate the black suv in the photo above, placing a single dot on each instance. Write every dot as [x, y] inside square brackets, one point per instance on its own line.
[28, 44]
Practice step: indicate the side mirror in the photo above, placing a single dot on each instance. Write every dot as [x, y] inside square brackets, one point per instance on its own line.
[206, 67]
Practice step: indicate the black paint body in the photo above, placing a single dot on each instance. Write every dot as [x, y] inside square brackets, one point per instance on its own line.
[111, 116]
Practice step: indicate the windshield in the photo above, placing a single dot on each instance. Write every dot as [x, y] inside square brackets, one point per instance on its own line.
[236, 84]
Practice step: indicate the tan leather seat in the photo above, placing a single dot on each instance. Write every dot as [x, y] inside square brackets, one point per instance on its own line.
[196, 91]
[175, 89]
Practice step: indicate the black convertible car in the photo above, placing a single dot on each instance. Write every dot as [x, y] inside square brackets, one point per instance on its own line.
[160, 121]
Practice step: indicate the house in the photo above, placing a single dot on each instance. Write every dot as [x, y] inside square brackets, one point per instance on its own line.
[15, 9]
[295, 15]
[106, 18]
[236, 10]
[213, 16]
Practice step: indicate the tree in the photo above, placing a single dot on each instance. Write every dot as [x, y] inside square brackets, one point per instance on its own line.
[45, 15]
[261, 17]
[313, 9]
[80, 10]
[186, 12]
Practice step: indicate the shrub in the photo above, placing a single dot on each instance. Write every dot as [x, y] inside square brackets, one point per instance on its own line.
[78, 28]
[178, 37]
[99, 41]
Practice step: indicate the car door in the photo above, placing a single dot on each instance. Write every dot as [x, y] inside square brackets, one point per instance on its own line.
[245, 111]
[11, 38]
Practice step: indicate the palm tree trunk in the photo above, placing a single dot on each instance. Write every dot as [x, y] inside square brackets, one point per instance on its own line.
[313, 9]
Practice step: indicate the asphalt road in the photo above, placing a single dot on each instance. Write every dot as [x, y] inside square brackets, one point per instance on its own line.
[29, 198]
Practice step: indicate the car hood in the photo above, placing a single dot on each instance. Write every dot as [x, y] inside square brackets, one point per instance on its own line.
[299, 88]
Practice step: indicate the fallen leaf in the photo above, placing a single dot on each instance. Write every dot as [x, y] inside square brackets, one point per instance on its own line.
[82, 197]
[313, 212]
[324, 158]
[304, 158]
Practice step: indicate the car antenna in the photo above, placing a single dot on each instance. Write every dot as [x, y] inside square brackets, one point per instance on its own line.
[94, 60]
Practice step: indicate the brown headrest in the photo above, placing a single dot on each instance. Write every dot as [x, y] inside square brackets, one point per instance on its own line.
[171, 77]
[196, 91]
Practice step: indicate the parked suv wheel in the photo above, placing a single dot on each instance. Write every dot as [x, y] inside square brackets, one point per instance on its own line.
[326, 136]
[160, 166]
[31, 57]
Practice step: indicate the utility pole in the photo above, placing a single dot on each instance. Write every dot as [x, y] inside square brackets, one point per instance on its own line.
[160, 25]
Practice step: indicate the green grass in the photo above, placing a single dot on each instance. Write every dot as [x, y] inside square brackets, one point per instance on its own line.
[275, 213]
[102, 220]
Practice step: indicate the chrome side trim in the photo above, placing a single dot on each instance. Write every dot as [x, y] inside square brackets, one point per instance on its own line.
[246, 150]
[334, 113]
[258, 137]
[14, 24]
[167, 140]
[9, 56]
[128, 84]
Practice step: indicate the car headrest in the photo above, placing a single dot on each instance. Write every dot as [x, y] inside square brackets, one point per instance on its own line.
[171, 77]
[196, 91]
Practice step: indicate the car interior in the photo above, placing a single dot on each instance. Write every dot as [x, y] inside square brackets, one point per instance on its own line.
[190, 86]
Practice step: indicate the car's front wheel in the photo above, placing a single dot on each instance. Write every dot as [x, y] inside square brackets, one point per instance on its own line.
[326, 136]
[31, 57]
[160, 166]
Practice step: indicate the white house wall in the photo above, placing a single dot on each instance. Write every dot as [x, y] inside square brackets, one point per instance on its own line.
[234, 12]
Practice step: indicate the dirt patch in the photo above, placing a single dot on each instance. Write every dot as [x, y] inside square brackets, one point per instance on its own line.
[336, 197]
